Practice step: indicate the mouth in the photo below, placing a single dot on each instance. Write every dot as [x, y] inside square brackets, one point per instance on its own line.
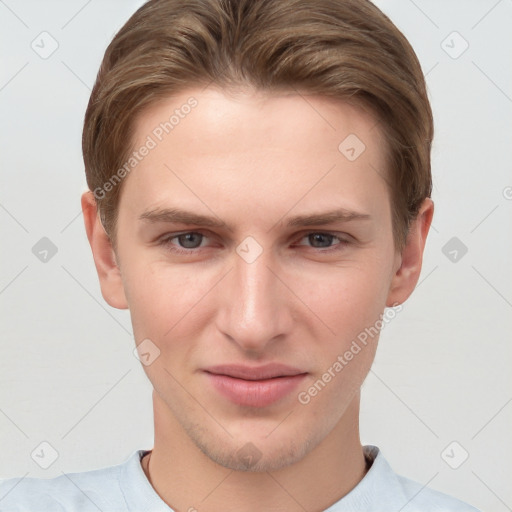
[254, 386]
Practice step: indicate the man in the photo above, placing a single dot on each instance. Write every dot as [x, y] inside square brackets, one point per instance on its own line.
[259, 177]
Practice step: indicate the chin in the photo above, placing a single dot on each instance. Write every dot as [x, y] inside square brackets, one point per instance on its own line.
[256, 458]
[255, 453]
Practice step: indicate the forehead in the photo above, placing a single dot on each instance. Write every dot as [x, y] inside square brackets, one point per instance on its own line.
[251, 148]
[247, 114]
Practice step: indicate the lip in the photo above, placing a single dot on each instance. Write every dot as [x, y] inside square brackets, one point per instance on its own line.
[254, 386]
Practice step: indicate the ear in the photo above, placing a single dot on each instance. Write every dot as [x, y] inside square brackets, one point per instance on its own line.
[109, 274]
[406, 276]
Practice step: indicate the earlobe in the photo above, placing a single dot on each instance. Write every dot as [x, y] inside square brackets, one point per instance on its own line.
[107, 268]
[406, 276]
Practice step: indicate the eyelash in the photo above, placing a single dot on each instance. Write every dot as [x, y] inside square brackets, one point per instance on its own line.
[166, 242]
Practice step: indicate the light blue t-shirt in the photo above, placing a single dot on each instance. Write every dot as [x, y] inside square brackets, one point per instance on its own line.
[124, 487]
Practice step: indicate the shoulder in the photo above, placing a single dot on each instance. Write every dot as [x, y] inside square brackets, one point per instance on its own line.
[409, 495]
[425, 499]
[94, 490]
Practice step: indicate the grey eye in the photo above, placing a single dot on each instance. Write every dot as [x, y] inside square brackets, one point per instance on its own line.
[190, 240]
[323, 239]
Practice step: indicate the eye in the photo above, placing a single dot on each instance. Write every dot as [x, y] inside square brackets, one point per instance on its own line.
[320, 240]
[187, 242]
[190, 242]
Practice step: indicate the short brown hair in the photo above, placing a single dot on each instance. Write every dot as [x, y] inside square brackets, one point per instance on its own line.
[343, 49]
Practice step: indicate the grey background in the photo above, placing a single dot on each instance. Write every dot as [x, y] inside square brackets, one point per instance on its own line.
[68, 376]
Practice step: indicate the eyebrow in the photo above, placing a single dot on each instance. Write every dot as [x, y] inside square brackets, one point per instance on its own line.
[179, 216]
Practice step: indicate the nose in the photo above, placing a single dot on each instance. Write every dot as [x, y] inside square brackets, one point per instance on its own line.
[254, 304]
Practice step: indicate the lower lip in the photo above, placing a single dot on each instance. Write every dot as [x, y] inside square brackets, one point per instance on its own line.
[254, 393]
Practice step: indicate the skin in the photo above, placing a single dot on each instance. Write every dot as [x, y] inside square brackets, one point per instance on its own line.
[253, 160]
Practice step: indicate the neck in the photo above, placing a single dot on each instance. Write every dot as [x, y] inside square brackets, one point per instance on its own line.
[186, 479]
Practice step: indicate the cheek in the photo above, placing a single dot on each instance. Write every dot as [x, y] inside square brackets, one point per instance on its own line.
[350, 302]
[164, 300]
[170, 304]
[176, 301]
[347, 300]
[351, 307]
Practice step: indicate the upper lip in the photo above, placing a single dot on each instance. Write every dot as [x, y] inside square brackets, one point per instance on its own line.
[267, 371]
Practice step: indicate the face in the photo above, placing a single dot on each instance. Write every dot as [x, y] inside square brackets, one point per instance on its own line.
[252, 306]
